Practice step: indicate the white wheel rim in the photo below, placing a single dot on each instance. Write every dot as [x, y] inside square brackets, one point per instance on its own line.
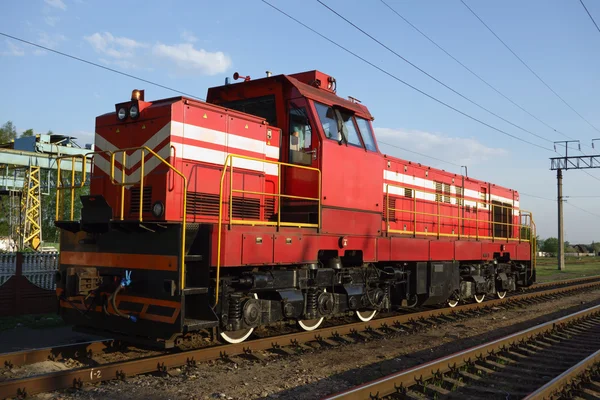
[306, 324]
[452, 303]
[480, 299]
[501, 294]
[364, 315]
[238, 338]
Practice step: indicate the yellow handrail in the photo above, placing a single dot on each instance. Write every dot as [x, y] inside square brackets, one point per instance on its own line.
[72, 186]
[143, 149]
[229, 165]
[460, 219]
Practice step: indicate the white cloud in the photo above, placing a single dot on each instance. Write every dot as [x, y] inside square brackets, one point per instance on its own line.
[113, 46]
[51, 41]
[56, 3]
[458, 150]
[188, 36]
[51, 20]
[129, 53]
[13, 50]
[187, 58]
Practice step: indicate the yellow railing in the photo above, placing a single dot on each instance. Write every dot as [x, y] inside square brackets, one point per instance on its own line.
[144, 151]
[488, 224]
[228, 165]
[72, 186]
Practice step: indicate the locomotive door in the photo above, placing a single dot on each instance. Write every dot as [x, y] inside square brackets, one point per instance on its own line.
[303, 144]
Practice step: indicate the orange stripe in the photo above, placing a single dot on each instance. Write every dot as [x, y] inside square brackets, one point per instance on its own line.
[118, 260]
[134, 299]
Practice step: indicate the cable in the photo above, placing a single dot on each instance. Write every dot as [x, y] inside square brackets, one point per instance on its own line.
[527, 66]
[473, 73]
[582, 197]
[101, 66]
[429, 75]
[590, 15]
[403, 82]
[581, 209]
[537, 197]
[421, 154]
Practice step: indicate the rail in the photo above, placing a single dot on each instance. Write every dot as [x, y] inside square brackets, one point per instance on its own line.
[525, 217]
[145, 151]
[228, 166]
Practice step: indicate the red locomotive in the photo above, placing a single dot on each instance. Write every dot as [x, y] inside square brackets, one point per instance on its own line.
[271, 202]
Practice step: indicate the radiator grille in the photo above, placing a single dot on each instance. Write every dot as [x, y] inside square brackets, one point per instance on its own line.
[243, 207]
[202, 204]
[135, 200]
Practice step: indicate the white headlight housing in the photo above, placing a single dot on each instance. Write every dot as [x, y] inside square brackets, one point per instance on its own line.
[122, 113]
[158, 209]
[134, 112]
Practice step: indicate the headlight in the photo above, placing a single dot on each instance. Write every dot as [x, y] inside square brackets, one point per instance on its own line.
[133, 112]
[122, 114]
[158, 209]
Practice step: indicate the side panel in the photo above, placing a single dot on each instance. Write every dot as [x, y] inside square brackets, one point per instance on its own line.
[441, 251]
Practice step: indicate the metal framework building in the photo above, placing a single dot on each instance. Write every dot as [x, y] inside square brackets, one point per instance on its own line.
[27, 166]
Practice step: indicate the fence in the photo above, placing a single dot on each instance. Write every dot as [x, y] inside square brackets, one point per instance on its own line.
[27, 283]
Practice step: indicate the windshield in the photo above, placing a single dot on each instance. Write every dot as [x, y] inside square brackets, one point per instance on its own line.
[366, 133]
[330, 125]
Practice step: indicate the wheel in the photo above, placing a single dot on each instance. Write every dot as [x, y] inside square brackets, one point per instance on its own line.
[501, 295]
[452, 303]
[366, 316]
[310, 324]
[479, 298]
[240, 335]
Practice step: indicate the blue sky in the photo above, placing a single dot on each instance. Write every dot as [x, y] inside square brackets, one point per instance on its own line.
[191, 46]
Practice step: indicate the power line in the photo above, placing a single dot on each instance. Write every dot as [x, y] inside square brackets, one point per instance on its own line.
[527, 66]
[474, 73]
[401, 81]
[421, 154]
[429, 75]
[581, 209]
[100, 66]
[537, 197]
[582, 197]
[590, 15]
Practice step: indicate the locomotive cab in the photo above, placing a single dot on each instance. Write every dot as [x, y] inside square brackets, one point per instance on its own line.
[324, 132]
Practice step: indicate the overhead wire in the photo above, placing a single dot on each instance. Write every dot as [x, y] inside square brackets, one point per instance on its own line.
[590, 15]
[474, 73]
[421, 154]
[404, 82]
[528, 67]
[429, 75]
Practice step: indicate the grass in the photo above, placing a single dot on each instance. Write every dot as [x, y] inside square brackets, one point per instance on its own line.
[33, 321]
[547, 268]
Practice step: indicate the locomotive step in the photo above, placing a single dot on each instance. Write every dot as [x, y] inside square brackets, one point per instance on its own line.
[195, 290]
[193, 258]
[197, 324]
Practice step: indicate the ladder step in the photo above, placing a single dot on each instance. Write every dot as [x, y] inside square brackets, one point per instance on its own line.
[195, 290]
[193, 258]
[196, 324]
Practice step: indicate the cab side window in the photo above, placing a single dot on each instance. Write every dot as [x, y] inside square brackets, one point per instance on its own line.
[300, 137]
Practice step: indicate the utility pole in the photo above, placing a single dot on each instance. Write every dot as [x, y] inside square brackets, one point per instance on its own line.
[561, 238]
[564, 163]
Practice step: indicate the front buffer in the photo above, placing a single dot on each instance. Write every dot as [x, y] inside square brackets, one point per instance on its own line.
[122, 279]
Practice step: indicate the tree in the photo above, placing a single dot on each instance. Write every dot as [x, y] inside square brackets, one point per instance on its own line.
[27, 133]
[550, 245]
[8, 132]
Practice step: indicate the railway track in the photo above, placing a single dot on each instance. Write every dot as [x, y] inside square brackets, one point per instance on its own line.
[556, 359]
[289, 343]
